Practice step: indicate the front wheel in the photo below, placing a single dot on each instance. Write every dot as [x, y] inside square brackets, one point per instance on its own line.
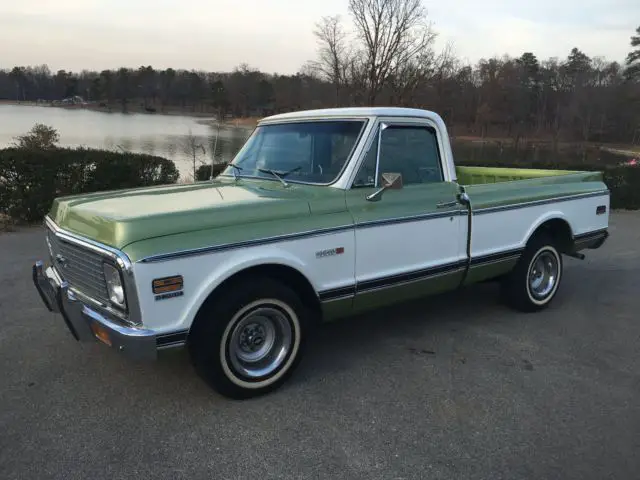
[249, 340]
[534, 281]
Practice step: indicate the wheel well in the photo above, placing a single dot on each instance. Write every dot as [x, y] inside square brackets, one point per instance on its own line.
[289, 276]
[560, 231]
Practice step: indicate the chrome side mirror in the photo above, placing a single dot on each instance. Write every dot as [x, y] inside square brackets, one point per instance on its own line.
[375, 196]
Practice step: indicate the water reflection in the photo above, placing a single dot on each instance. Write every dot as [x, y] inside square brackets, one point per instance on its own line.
[169, 136]
[173, 137]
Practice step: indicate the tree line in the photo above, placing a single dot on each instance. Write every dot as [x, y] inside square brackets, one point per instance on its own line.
[384, 55]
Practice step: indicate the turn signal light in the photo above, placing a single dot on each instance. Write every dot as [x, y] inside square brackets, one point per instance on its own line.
[167, 284]
[101, 333]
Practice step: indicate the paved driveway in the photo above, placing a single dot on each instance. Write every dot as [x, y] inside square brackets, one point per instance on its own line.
[454, 387]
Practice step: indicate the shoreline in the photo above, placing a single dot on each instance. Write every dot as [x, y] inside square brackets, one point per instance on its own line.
[204, 118]
[209, 119]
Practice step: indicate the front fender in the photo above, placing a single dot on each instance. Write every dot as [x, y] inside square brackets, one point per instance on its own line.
[239, 261]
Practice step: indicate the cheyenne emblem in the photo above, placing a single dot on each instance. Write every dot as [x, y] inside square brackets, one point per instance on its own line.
[330, 252]
[168, 287]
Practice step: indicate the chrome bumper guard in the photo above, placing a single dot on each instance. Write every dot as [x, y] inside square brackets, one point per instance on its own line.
[85, 323]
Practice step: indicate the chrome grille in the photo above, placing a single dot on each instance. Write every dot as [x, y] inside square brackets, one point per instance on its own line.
[80, 267]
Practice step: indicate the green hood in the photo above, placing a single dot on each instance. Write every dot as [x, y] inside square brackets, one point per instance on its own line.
[120, 218]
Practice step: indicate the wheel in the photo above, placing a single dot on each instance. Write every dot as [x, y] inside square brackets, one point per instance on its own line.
[534, 281]
[248, 340]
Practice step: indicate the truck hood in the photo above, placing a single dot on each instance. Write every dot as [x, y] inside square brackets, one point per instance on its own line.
[120, 218]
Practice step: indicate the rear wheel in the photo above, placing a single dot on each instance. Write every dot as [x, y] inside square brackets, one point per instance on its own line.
[534, 281]
[249, 340]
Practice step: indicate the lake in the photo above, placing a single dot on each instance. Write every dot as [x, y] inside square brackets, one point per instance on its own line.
[163, 135]
[168, 136]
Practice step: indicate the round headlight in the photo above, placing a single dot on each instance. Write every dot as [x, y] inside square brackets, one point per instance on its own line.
[114, 285]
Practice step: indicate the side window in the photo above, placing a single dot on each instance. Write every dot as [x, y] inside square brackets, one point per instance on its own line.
[411, 150]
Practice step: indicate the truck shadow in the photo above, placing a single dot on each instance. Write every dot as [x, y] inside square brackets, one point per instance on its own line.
[419, 327]
[338, 345]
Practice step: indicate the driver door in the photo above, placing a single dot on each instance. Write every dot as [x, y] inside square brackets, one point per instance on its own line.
[408, 243]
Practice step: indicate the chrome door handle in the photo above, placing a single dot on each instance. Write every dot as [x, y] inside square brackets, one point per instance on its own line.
[452, 203]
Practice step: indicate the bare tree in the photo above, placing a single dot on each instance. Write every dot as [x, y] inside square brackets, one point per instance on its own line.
[396, 37]
[333, 53]
[192, 147]
[408, 76]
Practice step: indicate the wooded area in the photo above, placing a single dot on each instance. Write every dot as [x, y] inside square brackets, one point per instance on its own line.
[384, 57]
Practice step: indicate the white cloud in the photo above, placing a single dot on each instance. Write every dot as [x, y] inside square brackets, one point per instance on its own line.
[277, 35]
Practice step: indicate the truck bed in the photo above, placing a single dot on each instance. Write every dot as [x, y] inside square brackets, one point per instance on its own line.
[481, 175]
[493, 187]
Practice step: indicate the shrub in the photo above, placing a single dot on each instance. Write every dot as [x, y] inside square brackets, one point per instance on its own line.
[31, 178]
[204, 171]
[39, 137]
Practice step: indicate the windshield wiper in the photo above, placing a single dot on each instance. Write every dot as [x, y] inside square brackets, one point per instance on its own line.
[279, 175]
[266, 170]
[235, 167]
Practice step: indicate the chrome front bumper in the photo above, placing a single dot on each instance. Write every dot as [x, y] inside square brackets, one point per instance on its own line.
[86, 323]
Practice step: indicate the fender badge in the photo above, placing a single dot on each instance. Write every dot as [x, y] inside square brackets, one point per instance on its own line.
[168, 287]
[330, 252]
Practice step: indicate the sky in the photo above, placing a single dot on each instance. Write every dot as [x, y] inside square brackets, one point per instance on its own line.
[276, 35]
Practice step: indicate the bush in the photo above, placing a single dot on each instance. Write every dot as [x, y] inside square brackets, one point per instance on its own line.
[204, 171]
[30, 179]
[39, 137]
[622, 181]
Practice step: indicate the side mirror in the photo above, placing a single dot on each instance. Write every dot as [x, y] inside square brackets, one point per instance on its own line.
[391, 181]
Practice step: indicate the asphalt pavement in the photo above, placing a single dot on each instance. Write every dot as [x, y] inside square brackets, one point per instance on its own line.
[453, 387]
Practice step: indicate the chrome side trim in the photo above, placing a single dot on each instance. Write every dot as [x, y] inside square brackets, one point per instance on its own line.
[133, 318]
[411, 276]
[369, 286]
[293, 236]
[370, 224]
[247, 243]
[535, 203]
[408, 219]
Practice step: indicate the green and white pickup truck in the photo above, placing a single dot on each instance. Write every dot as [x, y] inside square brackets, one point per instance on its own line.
[322, 214]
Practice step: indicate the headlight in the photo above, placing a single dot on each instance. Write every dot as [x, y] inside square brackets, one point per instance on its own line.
[114, 285]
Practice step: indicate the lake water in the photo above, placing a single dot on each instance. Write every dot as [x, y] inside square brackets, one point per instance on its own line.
[168, 136]
[163, 135]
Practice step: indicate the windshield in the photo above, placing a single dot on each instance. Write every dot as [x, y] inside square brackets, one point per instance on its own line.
[310, 152]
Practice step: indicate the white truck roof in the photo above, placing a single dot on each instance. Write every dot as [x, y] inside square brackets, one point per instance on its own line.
[354, 112]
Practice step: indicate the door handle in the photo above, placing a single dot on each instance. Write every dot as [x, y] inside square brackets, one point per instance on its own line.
[452, 203]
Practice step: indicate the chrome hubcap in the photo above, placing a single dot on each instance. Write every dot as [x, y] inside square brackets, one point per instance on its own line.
[259, 342]
[543, 275]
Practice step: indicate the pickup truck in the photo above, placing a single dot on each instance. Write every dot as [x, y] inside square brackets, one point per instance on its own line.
[322, 214]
